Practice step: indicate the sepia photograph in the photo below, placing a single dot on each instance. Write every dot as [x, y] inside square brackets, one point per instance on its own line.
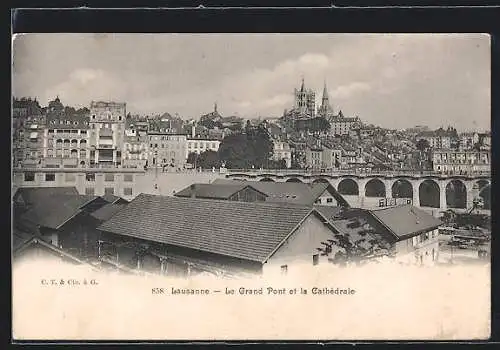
[251, 186]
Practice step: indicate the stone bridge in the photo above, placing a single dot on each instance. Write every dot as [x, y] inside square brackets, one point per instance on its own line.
[431, 190]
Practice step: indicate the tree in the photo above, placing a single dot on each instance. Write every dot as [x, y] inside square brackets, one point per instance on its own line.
[193, 158]
[253, 148]
[357, 251]
[422, 145]
[209, 159]
[234, 153]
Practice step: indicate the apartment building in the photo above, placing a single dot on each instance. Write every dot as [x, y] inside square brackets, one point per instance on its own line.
[461, 161]
[281, 150]
[167, 149]
[199, 145]
[106, 133]
[66, 141]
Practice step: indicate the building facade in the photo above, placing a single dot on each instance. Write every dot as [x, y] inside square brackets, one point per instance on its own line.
[468, 140]
[199, 145]
[167, 149]
[66, 141]
[28, 149]
[281, 150]
[314, 158]
[340, 125]
[135, 151]
[90, 181]
[465, 161]
[107, 132]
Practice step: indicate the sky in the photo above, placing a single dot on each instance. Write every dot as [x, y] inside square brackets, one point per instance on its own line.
[394, 81]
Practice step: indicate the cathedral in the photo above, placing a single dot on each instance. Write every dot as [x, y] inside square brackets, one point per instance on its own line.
[305, 103]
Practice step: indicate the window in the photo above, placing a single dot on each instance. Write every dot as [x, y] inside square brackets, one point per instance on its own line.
[89, 191]
[284, 269]
[329, 200]
[50, 177]
[128, 177]
[90, 177]
[29, 176]
[315, 259]
[69, 177]
[109, 177]
[127, 191]
[109, 190]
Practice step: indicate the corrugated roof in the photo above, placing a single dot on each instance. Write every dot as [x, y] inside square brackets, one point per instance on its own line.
[107, 211]
[56, 210]
[214, 190]
[405, 220]
[250, 231]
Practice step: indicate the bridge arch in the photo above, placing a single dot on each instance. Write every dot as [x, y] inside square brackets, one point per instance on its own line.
[375, 188]
[266, 179]
[294, 179]
[348, 187]
[402, 189]
[429, 194]
[456, 194]
[484, 188]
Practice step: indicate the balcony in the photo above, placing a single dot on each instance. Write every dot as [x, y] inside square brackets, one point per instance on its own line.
[105, 146]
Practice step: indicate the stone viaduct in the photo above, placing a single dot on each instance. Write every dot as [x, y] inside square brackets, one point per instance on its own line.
[424, 189]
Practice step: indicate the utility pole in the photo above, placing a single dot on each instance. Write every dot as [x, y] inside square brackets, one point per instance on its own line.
[156, 165]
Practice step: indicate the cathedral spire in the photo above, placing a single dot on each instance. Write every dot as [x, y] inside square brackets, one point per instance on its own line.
[302, 87]
[325, 91]
[215, 107]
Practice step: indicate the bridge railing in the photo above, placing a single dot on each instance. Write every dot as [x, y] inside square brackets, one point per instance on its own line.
[308, 172]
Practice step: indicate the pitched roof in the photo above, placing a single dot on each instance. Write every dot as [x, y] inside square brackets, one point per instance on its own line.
[107, 211]
[32, 195]
[38, 241]
[250, 231]
[405, 221]
[328, 211]
[214, 190]
[291, 192]
[110, 198]
[56, 210]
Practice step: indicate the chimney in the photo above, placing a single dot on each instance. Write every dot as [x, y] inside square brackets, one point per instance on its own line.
[193, 131]
[193, 191]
